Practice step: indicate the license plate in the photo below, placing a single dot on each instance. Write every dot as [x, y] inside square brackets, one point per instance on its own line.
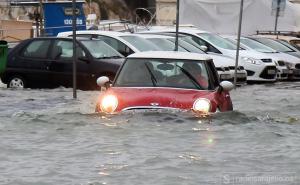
[271, 72]
[285, 71]
[296, 71]
[240, 75]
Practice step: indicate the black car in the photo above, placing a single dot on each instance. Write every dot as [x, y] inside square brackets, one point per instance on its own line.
[47, 62]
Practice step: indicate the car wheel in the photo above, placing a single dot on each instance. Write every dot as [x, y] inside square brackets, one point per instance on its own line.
[16, 82]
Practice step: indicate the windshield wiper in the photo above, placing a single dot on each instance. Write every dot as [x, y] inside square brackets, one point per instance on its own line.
[191, 77]
[153, 79]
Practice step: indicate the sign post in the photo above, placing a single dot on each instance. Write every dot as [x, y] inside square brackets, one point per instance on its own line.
[278, 7]
[74, 48]
[177, 25]
[238, 42]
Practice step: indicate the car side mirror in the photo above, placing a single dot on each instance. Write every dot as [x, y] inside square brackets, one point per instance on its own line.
[103, 81]
[84, 59]
[204, 48]
[226, 86]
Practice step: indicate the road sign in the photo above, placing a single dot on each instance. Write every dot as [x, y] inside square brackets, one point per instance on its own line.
[58, 17]
[278, 5]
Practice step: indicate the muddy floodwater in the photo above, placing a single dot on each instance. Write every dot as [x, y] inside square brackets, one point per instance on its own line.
[48, 138]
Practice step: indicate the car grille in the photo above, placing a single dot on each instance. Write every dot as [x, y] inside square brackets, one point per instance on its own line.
[265, 74]
[222, 68]
[250, 73]
[238, 68]
[266, 60]
[281, 63]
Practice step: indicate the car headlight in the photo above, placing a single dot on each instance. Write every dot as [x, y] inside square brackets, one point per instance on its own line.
[109, 103]
[251, 60]
[202, 105]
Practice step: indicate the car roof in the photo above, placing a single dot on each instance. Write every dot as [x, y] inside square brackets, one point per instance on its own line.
[181, 30]
[95, 32]
[281, 37]
[170, 55]
[149, 36]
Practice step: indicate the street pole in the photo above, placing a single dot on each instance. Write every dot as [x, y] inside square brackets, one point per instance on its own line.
[277, 16]
[74, 47]
[177, 26]
[238, 42]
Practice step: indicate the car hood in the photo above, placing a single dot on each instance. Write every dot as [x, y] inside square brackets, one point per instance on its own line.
[222, 61]
[248, 53]
[285, 57]
[157, 97]
[118, 61]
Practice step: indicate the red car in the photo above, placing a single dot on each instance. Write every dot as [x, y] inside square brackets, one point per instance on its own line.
[165, 80]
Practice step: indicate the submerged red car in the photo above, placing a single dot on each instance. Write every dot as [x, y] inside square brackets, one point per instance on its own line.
[165, 80]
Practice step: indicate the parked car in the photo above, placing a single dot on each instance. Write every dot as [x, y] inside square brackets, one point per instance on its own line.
[281, 60]
[258, 66]
[294, 66]
[224, 65]
[165, 80]
[124, 43]
[47, 62]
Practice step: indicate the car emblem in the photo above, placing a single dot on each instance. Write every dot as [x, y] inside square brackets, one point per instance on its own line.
[154, 104]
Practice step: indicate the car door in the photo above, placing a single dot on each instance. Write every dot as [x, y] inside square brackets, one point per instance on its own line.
[62, 63]
[32, 63]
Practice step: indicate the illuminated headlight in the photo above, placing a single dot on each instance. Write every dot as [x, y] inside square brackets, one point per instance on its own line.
[202, 105]
[251, 60]
[109, 104]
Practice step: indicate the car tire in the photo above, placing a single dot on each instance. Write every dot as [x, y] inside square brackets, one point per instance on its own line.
[16, 82]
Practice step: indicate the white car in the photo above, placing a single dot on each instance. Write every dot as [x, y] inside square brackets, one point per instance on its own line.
[124, 43]
[294, 65]
[281, 59]
[224, 65]
[259, 67]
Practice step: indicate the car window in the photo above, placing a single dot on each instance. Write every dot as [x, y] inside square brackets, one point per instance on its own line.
[187, 46]
[257, 46]
[164, 73]
[202, 42]
[116, 44]
[37, 49]
[140, 43]
[165, 44]
[217, 41]
[273, 44]
[63, 49]
[99, 49]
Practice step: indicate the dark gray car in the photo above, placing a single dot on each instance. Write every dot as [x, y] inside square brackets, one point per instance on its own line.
[47, 62]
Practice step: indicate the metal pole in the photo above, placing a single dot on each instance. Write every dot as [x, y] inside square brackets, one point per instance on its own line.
[74, 47]
[177, 26]
[276, 17]
[238, 42]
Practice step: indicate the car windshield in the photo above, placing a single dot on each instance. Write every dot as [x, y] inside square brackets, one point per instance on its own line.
[257, 46]
[99, 49]
[218, 41]
[174, 73]
[292, 47]
[140, 43]
[165, 45]
[187, 46]
[274, 45]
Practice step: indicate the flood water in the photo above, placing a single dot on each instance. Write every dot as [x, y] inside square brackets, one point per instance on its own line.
[48, 138]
